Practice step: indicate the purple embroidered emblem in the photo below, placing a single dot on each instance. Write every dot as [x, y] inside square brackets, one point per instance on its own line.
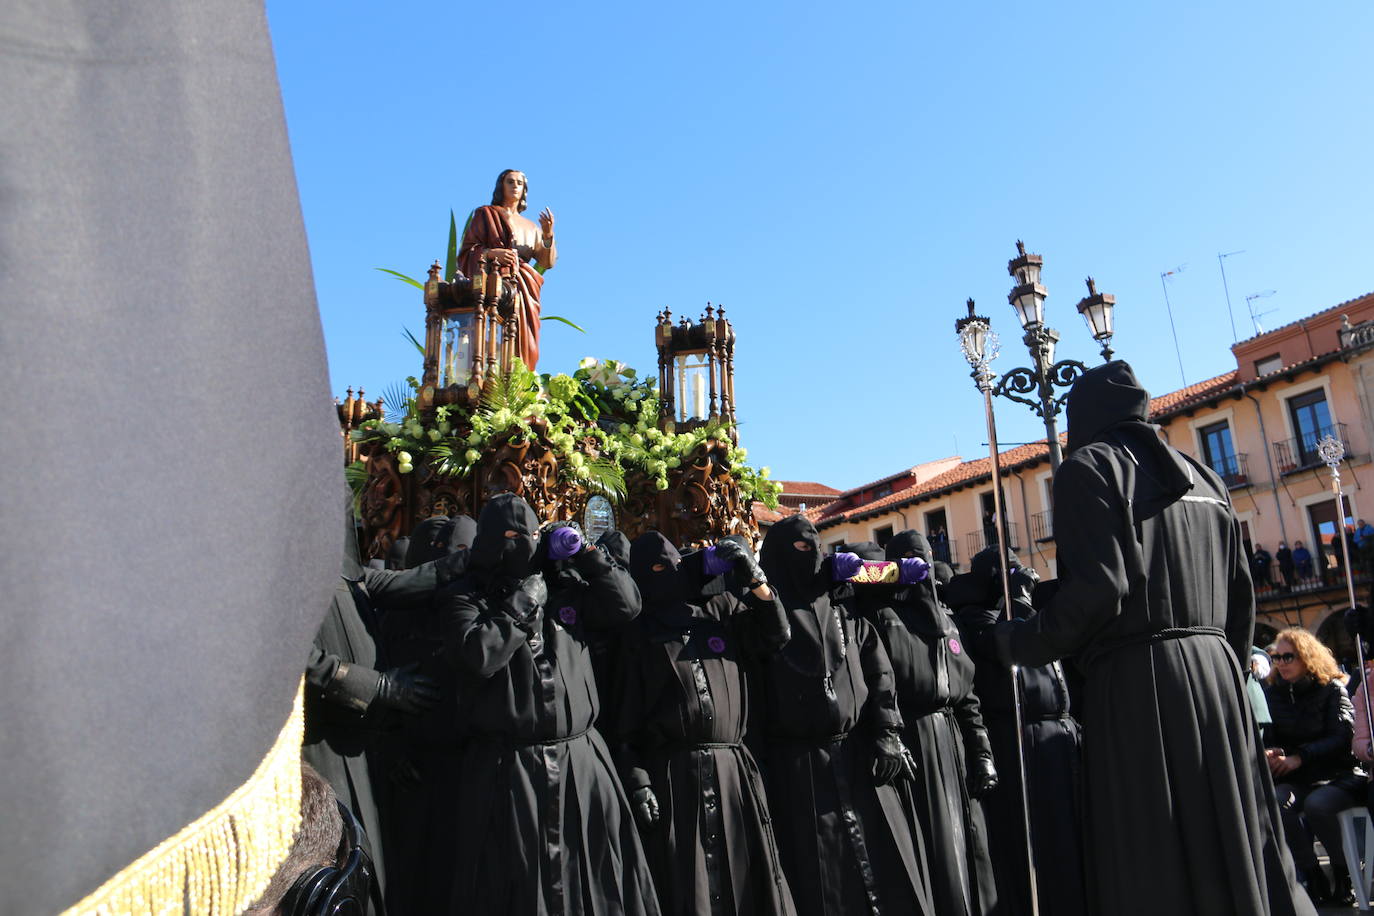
[717, 644]
[568, 615]
[954, 646]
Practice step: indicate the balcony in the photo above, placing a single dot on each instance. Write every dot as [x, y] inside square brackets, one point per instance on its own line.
[1042, 526]
[977, 540]
[1292, 455]
[1234, 470]
[942, 548]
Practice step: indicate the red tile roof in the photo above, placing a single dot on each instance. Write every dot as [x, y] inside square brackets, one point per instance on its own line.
[807, 488]
[1194, 392]
[1292, 324]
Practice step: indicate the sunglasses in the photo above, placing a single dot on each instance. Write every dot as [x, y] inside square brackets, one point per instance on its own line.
[1285, 657]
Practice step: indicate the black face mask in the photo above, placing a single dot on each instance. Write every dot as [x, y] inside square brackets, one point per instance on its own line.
[659, 588]
[462, 534]
[795, 572]
[429, 541]
[499, 557]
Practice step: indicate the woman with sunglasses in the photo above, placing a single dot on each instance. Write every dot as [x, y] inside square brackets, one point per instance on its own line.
[1315, 774]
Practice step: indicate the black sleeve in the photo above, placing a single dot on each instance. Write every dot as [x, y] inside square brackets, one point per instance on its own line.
[477, 639]
[880, 712]
[341, 683]
[612, 598]
[411, 588]
[629, 711]
[976, 627]
[1240, 602]
[969, 714]
[1338, 728]
[1091, 532]
[762, 623]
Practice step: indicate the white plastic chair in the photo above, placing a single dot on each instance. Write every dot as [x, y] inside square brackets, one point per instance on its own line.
[1359, 858]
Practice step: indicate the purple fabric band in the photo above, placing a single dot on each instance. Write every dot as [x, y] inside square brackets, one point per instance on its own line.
[713, 564]
[844, 565]
[563, 543]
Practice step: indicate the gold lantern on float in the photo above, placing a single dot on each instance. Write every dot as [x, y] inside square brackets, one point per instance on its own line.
[471, 334]
[696, 371]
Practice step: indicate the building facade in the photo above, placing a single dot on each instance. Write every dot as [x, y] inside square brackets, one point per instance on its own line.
[1257, 425]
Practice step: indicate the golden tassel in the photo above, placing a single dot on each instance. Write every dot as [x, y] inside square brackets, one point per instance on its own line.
[222, 861]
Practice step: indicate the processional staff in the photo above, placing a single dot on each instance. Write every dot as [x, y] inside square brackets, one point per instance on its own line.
[1331, 450]
[980, 347]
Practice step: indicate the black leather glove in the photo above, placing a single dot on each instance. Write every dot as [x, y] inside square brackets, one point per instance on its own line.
[891, 759]
[982, 776]
[406, 690]
[523, 604]
[645, 805]
[746, 566]
[1023, 581]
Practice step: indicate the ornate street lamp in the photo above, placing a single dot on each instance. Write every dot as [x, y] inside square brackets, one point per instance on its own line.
[1035, 386]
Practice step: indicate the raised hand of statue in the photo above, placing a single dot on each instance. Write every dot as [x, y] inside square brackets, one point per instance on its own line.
[546, 224]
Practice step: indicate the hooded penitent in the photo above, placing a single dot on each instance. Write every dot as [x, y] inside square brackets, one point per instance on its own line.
[543, 825]
[498, 561]
[617, 545]
[429, 540]
[1156, 605]
[944, 728]
[160, 590]
[683, 704]
[827, 699]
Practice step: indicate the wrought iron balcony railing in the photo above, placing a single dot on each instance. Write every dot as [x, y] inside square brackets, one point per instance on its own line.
[1300, 453]
[981, 538]
[1042, 526]
[1234, 470]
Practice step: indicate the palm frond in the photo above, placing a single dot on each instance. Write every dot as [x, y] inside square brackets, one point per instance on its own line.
[575, 327]
[411, 337]
[607, 478]
[402, 277]
[396, 399]
[451, 259]
[515, 391]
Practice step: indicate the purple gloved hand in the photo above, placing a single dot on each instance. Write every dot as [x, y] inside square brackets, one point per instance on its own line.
[844, 565]
[563, 543]
[913, 569]
[714, 564]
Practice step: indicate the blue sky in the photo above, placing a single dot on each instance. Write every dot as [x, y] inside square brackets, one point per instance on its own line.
[842, 178]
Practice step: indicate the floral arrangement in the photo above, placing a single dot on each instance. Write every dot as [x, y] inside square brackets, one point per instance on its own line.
[601, 421]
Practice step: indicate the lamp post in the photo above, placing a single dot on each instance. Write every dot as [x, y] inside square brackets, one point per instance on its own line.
[1035, 386]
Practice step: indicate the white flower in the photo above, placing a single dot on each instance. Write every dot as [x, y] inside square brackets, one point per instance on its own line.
[405, 468]
[587, 362]
[403, 457]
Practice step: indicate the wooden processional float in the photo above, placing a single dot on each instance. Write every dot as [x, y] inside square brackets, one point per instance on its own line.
[472, 331]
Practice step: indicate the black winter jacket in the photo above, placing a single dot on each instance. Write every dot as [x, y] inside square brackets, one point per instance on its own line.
[1316, 722]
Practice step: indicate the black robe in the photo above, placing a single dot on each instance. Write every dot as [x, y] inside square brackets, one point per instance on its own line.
[544, 826]
[847, 845]
[1156, 602]
[1053, 741]
[944, 728]
[683, 709]
[343, 721]
[415, 768]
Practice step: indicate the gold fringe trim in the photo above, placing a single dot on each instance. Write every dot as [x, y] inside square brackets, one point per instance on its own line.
[223, 860]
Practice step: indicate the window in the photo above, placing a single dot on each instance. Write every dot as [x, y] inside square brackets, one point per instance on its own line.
[1272, 363]
[884, 490]
[1219, 453]
[937, 532]
[835, 546]
[883, 535]
[1311, 421]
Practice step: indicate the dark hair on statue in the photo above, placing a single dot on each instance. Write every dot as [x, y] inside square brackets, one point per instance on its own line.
[317, 842]
[498, 195]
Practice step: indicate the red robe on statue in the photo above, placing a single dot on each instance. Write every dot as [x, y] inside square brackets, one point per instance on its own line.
[489, 227]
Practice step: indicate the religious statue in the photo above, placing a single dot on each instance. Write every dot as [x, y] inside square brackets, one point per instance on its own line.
[520, 249]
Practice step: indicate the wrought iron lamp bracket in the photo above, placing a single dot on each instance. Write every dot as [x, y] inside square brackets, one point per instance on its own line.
[1022, 381]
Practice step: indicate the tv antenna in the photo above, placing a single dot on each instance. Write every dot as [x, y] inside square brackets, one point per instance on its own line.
[1256, 316]
[1221, 260]
[1163, 278]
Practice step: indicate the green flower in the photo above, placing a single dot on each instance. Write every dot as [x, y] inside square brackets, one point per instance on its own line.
[435, 435]
[661, 483]
[472, 456]
[475, 438]
[405, 468]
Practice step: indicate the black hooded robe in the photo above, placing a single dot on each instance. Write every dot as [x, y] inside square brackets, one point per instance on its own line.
[545, 827]
[1054, 766]
[944, 728]
[415, 771]
[683, 710]
[1156, 603]
[343, 721]
[847, 845]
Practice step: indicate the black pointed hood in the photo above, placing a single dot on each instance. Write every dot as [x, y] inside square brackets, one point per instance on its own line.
[665, 591]
[795, 573]
[496, 558]
[463, 533]
[429, 541]
[617, 545]
[1107, 403]
[918, 604]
